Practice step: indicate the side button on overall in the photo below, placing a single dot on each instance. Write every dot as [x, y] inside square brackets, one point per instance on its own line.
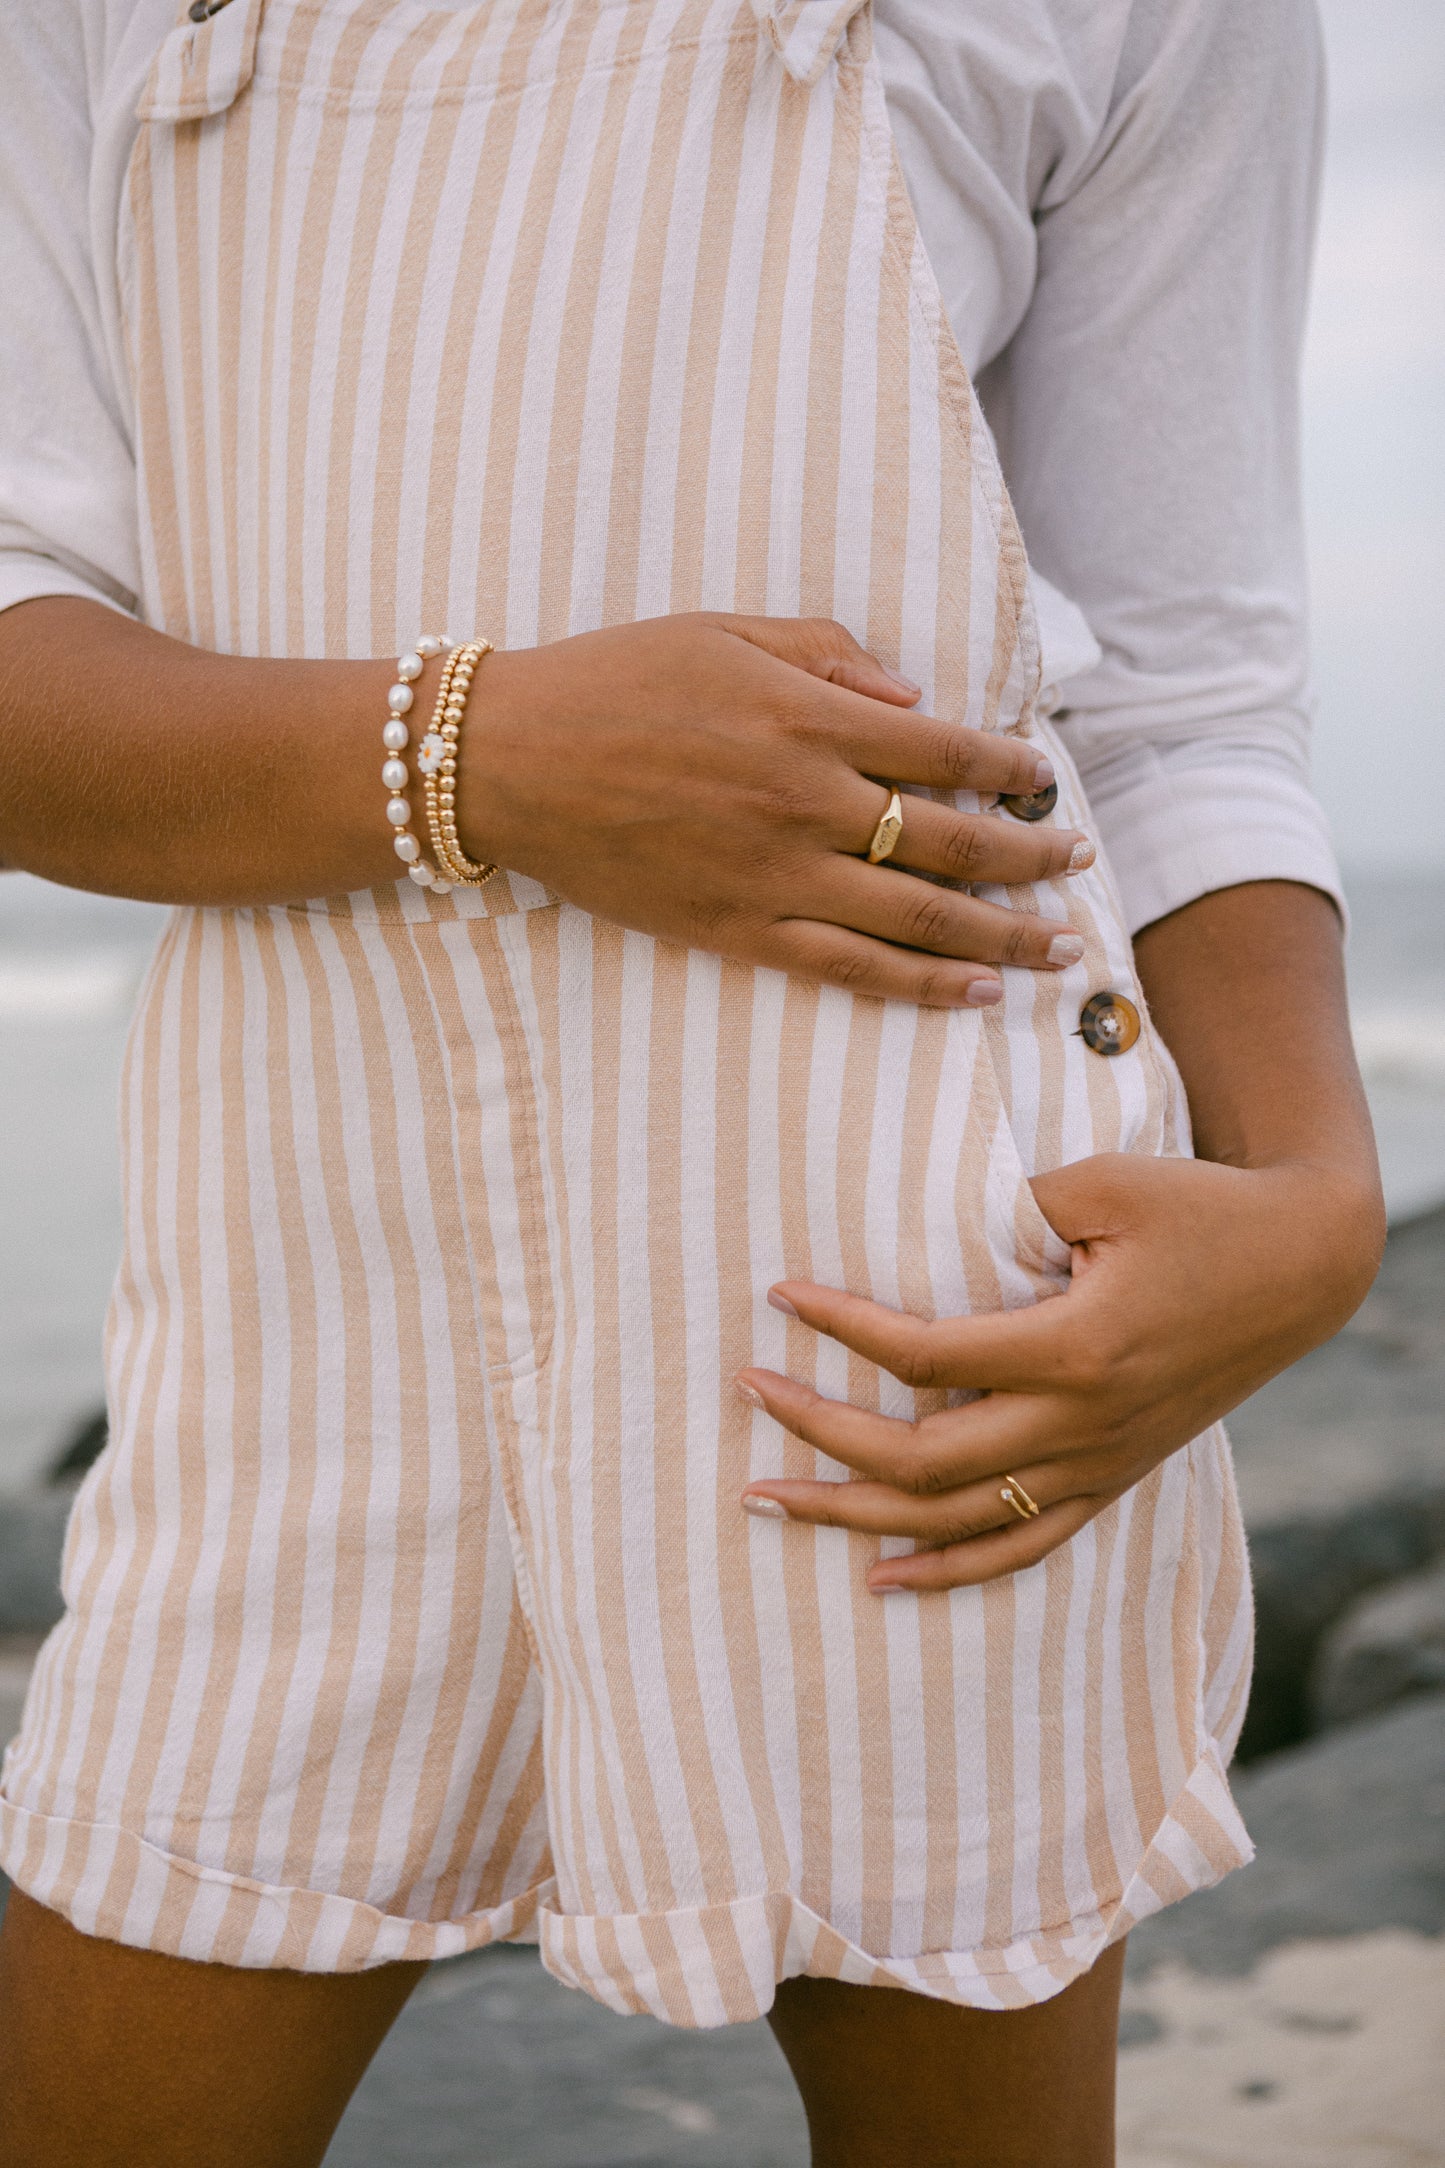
[1035, 806]
[1109, 1023]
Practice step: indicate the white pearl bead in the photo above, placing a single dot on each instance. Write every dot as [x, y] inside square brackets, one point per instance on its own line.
[428, 644]
[398, 812]
[406, 847]
[421, 874]
[393, 774]
[396, 737]
[409, 666]
[439, 887]
[400, 698]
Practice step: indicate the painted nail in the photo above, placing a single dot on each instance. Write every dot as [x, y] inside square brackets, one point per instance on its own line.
[983, 993]
[1043, 774]
[781, 1302]
[899, 679]
[767, 1509]
[1082, 855]
[1066, 948]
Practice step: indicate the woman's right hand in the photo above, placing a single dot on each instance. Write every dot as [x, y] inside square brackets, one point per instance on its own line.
[711, 780]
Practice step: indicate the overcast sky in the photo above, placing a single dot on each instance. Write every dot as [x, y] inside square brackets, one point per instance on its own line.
[1375, 437]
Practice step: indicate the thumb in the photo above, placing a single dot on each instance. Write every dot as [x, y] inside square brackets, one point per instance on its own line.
[826, 650]
[1091, 1199]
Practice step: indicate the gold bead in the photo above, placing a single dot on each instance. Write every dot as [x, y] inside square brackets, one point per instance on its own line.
[447, 719]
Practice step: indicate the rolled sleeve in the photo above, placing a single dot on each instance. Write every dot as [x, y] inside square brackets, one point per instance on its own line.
[1179, 819]
[1147, 416]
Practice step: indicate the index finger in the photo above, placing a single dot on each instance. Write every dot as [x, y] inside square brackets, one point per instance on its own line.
[997, 1350]
[907, 747]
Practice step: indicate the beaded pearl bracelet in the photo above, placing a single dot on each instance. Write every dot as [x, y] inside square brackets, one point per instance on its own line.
[437, 760]
[395, 774]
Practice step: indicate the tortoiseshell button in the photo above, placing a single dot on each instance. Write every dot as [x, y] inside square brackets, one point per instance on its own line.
[1037, 806]
[1109, 1023]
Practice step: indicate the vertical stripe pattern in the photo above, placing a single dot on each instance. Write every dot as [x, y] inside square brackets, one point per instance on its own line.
[411, 1604]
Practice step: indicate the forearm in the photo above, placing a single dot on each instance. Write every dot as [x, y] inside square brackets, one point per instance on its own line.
[704, 778]
[1247, 986]
[140, 766]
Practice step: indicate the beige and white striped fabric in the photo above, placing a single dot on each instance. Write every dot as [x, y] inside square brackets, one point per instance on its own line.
[412, 1605]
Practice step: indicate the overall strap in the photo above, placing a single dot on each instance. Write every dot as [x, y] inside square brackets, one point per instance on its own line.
[205, 63]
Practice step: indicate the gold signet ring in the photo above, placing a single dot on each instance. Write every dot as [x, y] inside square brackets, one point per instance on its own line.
[1013, 1494]
[886, 834]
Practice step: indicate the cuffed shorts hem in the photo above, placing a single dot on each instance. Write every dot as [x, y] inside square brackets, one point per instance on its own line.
[111, 1883]
[721, 1964]
[710, 1965]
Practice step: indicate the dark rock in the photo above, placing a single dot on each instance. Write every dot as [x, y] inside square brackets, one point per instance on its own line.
[1360, 1417]
[1390, 1645]
[1306, 1573]
[1350, 1837]
[32, 1532]
[81, 1450]
[1341, 1475]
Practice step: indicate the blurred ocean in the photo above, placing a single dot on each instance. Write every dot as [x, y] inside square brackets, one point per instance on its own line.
[1374, 463]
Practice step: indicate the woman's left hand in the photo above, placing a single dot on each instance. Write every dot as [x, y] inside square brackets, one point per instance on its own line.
[1192, 1284]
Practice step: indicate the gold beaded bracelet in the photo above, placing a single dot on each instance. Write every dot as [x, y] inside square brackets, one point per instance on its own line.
[437, 761]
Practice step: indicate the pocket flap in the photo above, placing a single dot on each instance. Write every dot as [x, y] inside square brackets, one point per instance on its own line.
[805, 33]
[202, 68]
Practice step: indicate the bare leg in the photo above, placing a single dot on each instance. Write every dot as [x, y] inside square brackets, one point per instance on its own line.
[893, 2080]
[111, 2057]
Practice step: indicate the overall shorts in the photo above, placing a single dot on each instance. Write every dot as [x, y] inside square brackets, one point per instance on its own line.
[411, 1605]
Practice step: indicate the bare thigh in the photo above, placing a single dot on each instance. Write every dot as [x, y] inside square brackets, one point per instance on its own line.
[895, 2080]
[110, 2056]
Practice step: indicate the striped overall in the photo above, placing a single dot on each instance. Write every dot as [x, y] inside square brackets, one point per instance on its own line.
[411, 1605]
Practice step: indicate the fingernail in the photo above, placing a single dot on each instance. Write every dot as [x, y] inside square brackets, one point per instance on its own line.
[898, 678]
[885, 1588]
[983, 993]
[1043, 774]
[1066, 948]
[767, 1509]
[1083, 854]
[781, 1302]
[748, 1393]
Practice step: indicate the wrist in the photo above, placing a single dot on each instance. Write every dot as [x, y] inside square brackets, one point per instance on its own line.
[489, 764]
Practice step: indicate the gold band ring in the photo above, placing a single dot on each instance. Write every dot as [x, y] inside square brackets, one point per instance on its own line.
[1013, 1494]
[886, 834]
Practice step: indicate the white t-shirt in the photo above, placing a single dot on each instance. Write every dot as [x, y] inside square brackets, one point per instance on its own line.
[1118, 199]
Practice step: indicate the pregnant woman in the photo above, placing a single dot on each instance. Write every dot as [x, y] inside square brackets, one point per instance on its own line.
[665, 1374]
